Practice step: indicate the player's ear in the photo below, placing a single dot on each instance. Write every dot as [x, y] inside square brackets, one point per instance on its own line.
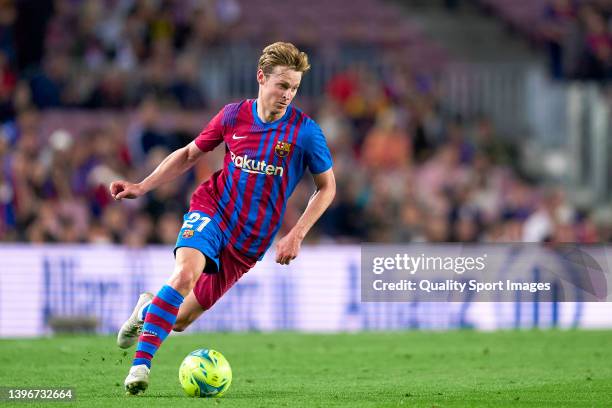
[261, 77]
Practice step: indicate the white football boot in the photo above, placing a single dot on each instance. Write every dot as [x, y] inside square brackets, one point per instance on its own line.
[137, 379]
[131, 329]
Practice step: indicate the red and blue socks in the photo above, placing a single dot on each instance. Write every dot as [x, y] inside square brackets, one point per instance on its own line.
[160, 317]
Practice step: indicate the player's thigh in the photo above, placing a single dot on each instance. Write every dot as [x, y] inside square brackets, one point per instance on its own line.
[189, 311]
[189, 263]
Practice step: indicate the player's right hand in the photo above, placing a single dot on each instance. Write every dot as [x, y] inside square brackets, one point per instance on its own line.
[124, 189]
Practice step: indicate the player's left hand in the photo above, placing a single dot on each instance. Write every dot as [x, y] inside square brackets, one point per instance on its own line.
[287, 248]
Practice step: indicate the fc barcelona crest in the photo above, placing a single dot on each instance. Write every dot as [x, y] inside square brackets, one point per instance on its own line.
[188, 233]
[282, 149]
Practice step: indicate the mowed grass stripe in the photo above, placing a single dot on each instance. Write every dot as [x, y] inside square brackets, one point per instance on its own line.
[422, 369]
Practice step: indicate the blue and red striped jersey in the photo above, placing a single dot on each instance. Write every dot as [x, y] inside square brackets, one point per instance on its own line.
[262, 165]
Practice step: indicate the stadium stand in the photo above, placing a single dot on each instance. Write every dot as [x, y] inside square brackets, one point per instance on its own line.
[575, 33]
[117, 85]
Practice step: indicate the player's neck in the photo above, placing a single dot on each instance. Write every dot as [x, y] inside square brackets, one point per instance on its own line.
[268, 115]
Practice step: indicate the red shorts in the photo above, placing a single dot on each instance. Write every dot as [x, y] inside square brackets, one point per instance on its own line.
[232, 265]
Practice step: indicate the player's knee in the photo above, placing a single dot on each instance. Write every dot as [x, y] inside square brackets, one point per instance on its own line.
[183, 322]
[180, 326]
[187, 269]
[184, 278]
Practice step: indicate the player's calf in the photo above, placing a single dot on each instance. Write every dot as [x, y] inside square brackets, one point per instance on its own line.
[189, 312]
[161, 316]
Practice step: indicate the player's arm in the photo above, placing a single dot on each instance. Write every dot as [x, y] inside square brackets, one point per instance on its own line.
[288, 247]
[175, 164]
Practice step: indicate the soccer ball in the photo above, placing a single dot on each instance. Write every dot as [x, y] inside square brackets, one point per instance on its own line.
[205, 373]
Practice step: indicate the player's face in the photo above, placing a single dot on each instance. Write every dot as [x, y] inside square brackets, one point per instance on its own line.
[277, 90]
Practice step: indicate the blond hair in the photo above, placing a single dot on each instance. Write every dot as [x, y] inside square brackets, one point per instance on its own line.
[283, 54]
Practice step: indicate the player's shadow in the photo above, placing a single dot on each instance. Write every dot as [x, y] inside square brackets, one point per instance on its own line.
[251, 395]
[231, 396]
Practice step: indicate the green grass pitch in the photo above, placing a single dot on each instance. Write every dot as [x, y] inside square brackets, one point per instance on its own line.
[412, 369]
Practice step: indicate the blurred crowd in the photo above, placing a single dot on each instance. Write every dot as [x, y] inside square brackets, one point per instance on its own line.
[578, 35]
[406, 170]
[108, 53]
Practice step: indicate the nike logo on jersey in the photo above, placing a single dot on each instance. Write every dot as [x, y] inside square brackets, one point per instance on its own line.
[237, 137]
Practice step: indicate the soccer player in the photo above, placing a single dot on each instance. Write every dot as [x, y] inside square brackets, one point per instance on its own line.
[234, 216]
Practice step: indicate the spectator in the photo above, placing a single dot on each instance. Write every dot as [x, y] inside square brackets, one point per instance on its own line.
[406, 170]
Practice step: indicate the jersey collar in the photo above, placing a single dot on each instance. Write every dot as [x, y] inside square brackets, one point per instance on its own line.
[268, 124]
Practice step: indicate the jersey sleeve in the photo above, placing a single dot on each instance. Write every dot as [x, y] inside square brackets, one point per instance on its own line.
[318, 156]
[212, 135]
